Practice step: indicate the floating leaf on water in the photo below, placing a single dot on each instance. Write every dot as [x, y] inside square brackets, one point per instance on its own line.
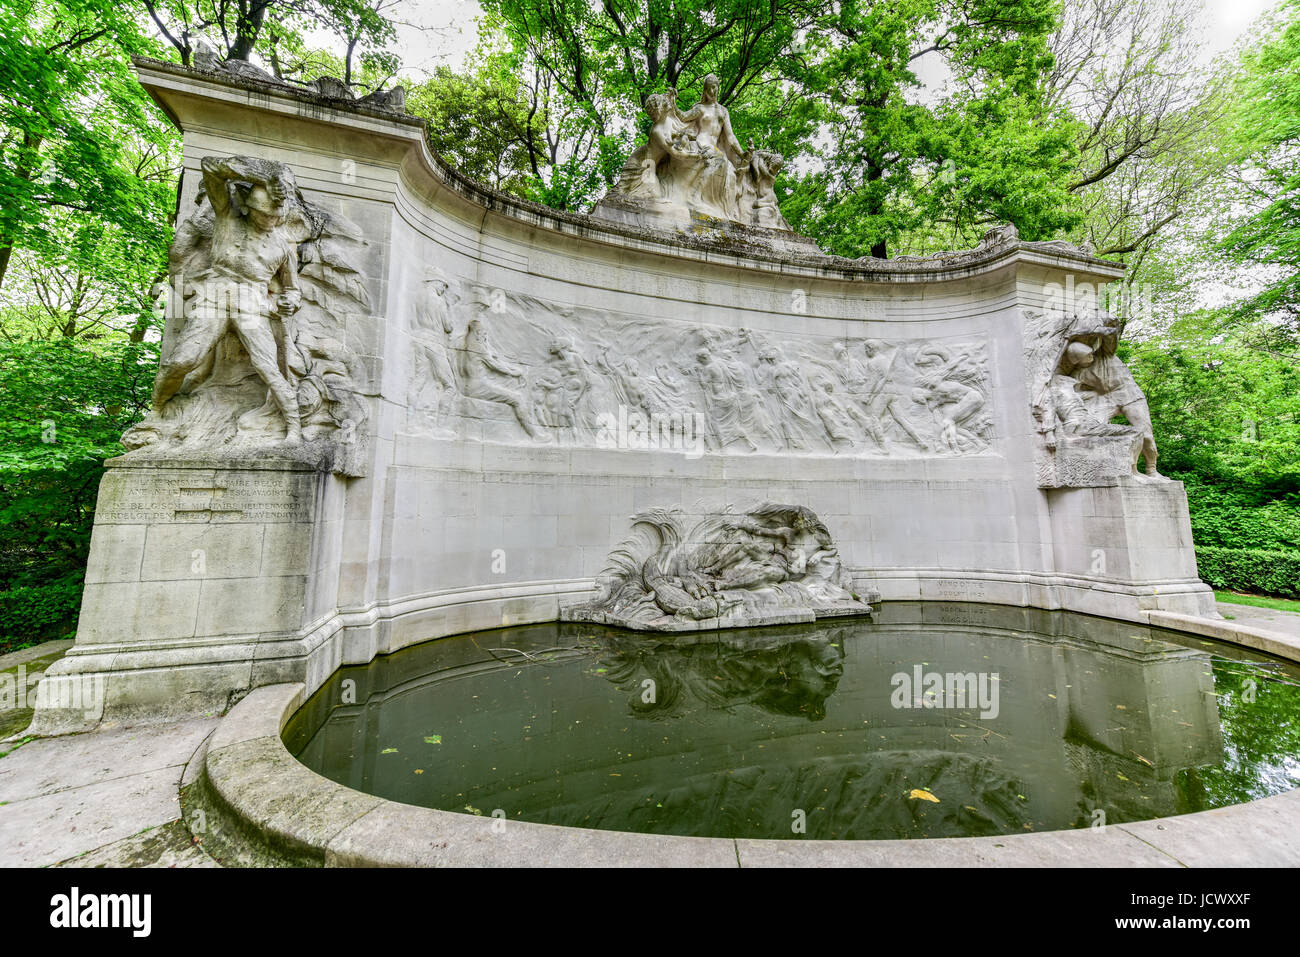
[1120, 776]
[418, 771]
[916, 794]
[388, 751]
[433, 739]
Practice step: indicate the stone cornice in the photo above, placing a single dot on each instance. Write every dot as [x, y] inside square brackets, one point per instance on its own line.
[182, 92]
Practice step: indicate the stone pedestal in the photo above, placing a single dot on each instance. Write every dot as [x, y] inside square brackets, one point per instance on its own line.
[1129, 539]
[203, 581]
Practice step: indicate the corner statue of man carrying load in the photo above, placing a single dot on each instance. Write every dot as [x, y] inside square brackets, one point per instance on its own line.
[264, 285]
[252, 259]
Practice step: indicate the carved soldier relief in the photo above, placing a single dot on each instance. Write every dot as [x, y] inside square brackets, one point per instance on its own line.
[1078, 386]
[256, 360]
[503, 367]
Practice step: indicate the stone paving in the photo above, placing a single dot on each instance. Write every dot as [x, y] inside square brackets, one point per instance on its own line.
[111, 795]
[1286, 622]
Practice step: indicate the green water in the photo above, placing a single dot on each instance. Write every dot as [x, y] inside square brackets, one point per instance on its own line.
[810, 732]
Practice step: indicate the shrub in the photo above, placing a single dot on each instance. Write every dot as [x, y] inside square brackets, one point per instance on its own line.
[1250, 570]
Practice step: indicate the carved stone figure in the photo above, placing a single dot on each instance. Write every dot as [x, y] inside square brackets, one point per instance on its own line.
[784, 382]
[774, 563]
[570, 374]
[257, 354]
[433, 380]
[1078, 385]
[947, 387]
[562, 388]
[723, 399]
[485, 375]
[1109, 390]
[693, 163]
[764, 167]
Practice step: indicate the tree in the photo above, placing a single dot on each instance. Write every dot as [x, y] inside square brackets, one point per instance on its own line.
[588, 67]
[237, 28]
[489, 123]
[79, 138]
[1148, 143]
[63, 407]
[1267, 128]
[986, 150]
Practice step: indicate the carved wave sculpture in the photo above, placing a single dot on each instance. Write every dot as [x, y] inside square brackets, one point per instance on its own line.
[775, 564]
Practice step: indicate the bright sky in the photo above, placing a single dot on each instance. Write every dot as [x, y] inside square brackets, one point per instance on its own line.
[453, 32]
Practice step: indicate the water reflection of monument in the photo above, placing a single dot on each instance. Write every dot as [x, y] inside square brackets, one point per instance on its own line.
[1095, 716]
[780, 671]
[741, 727]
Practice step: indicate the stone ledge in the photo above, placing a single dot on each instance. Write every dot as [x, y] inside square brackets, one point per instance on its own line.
[177, 89]
[1261, 639]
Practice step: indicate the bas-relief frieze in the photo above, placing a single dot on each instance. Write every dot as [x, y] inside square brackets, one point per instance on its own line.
[543, 373]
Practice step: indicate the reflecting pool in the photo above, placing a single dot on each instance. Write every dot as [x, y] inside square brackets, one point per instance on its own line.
[929, 720]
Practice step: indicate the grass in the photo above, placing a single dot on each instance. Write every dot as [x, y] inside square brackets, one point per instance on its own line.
[1258, 601]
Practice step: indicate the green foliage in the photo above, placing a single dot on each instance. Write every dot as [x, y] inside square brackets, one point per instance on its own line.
[63, 407]
[81, 144]
[1250, 570]
[1268, 127]
[1234, 517]
[276, 29]
[895, 169]
[39, 612]
[1224, 413]
[1227, 421]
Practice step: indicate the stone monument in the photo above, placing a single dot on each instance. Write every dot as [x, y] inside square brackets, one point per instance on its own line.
[774, 564]
[394, 405]
[692, 173]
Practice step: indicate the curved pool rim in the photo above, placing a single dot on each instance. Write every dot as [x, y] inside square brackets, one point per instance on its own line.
[286, 813]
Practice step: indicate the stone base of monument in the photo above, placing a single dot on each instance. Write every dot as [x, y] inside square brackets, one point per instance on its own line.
[203, 580]
[673, 624]
[675, 219]
[1135, 536]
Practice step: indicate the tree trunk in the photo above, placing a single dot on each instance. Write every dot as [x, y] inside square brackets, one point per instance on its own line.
[246, 30]
[24, 170]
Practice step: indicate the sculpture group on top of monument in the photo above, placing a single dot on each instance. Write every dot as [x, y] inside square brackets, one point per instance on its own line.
[692, 162]
[503, 367]
[1078, 386]
[254, 358]
[773, 563]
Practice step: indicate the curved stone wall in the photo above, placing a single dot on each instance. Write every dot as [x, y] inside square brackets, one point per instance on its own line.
[512, 384]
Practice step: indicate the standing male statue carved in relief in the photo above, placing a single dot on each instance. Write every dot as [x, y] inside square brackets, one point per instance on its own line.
[264, 284]
[252, 259]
